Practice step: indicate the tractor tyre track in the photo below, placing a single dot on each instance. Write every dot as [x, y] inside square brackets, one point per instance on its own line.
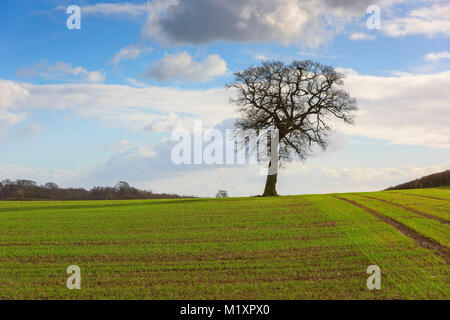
[420, 213]
[425, 242]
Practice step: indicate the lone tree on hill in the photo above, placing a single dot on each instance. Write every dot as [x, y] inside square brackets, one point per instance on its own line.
[298, 99]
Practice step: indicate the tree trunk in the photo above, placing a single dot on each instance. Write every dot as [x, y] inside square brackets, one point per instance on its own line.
[270, 189]
[272, 172]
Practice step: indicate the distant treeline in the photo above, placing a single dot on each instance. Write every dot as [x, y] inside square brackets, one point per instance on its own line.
[440, 179]
[30, 190]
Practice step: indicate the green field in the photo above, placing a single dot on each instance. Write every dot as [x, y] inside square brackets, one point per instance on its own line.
[294, 247]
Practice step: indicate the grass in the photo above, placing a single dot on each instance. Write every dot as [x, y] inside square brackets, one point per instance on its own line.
[294, 247]
[425, 226]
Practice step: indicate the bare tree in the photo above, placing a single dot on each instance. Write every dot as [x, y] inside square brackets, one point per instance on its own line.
[299, 100]
[222, 194]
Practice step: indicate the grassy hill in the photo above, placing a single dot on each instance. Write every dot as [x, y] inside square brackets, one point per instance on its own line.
[295, 247]
[434, 180]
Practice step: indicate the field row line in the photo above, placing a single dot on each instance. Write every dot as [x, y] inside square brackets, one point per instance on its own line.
[418, 195]
[420, 213]
[420, 239]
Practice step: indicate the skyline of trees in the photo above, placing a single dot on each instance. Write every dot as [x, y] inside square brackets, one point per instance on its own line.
[22, 189]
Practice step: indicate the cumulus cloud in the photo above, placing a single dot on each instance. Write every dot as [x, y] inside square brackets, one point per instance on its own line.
[60, 71]
[437, 56]
[135, 163]
[149, 108]
[327, 179]
[93, 76]
[305, 22]
[181, 66]
[409, 109]
[129, 53]
[428, 21]
[360, 36]
[143, 163]
[10, 94]
[405, 109]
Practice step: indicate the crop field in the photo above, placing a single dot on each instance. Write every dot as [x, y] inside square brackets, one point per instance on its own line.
[293, 247]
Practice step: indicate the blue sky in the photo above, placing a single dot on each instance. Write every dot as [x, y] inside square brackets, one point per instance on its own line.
[96, 105]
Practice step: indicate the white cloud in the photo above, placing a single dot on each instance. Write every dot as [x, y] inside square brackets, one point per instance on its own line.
[429, 21]
[261, 57]
[149, 108]
[360, 36]
[328, 179]
[405, 109]
[129, 53]
[61, 71]
[305, 22]
[131, 163]
[437, 56]
[143, 163]
[136, 83]
[320, 179]
[95, 76]
[181, 66]
[409, 109]
[10, 94]
[347, 71]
